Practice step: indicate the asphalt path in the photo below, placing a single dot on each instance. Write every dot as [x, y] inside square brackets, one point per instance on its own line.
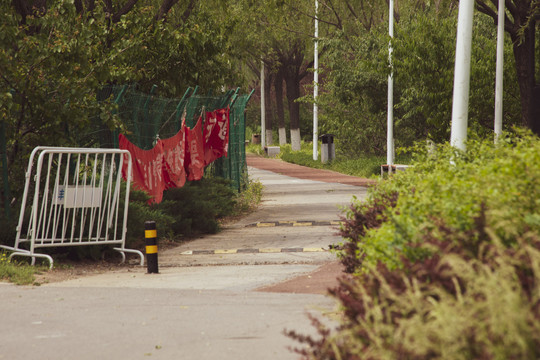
[213, 297]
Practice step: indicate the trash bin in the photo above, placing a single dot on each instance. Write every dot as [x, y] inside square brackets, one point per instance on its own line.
[328, 150]
[256, 139]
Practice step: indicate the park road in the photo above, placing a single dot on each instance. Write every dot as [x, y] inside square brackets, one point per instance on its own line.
[225, 296]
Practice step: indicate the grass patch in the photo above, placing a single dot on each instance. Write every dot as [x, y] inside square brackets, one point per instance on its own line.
[17, 273]
[247, 200]
[254, 149]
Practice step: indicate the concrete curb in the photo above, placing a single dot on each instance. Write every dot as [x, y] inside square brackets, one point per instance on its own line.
[251, 251]
[294, 223]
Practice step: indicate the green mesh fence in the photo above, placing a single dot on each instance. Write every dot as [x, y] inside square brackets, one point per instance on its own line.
[233, 166]
[147, 117]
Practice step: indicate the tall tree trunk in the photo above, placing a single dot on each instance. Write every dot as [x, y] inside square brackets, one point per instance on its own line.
[268, 106]
[292, 83]
[292, 63]
[524, 58]
[280, 111]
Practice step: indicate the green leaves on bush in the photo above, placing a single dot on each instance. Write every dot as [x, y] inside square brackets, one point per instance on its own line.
[196, 207]
[452, 186]
[360, 218]
[452, 305]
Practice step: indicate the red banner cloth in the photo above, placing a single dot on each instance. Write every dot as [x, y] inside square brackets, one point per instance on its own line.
[182, 156]
[194, 163]
[216, 135]
[147, 168]
[174, 155]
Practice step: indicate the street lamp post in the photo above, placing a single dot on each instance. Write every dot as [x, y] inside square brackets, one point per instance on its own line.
[390, 113]
[460, 104]
[316, 84]
[263, 109]
[499, 72]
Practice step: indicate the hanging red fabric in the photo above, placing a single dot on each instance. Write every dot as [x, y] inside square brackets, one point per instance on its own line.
[216, 135]
[147, 168]
[194, 163]
[174, 155]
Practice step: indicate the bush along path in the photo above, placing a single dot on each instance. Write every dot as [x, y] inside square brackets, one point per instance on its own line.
[445, 258]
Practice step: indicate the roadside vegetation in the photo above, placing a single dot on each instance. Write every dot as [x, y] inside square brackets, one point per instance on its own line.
[17, 273]
[444, 260]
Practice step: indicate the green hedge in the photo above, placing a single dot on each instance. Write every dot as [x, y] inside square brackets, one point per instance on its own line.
[453, 186]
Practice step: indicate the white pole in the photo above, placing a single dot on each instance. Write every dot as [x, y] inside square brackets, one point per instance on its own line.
[499, 72]
[460, 105]
[390, 119]
[263, 109]
[316, 84]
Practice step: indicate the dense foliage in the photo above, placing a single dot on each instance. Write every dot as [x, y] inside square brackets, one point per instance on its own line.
[353, 102]
[53, 63]
[458, 303]
[445, 260]
[454, 186]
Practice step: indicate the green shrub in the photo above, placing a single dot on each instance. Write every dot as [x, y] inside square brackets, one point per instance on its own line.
[453, 186]
[455, 304]
[192, 209]
[361, 218]
[196, 207]
[140, 211]
[254, 149]
[9, 229]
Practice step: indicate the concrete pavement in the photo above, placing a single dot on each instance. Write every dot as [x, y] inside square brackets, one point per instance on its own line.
[295, 214]
[91, 323]
[201, 305]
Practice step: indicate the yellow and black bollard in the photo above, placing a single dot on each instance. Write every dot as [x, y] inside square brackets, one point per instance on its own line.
[150, 233]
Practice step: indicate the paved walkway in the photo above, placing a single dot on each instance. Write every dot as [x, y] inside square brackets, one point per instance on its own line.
[302, 172]
[215, 297]
[296, 222]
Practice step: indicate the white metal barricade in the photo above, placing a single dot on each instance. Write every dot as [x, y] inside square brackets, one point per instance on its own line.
[75, 199]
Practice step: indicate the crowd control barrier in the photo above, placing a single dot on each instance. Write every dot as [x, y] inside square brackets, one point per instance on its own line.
[73, 197]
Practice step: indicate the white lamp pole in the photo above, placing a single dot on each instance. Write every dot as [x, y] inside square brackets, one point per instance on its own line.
[263, 109]
[390, 118]
[499, 71]
[460, 104]
[316, 84]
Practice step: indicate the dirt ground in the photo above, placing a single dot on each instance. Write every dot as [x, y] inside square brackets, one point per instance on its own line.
[316, 282]
[65, 269]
